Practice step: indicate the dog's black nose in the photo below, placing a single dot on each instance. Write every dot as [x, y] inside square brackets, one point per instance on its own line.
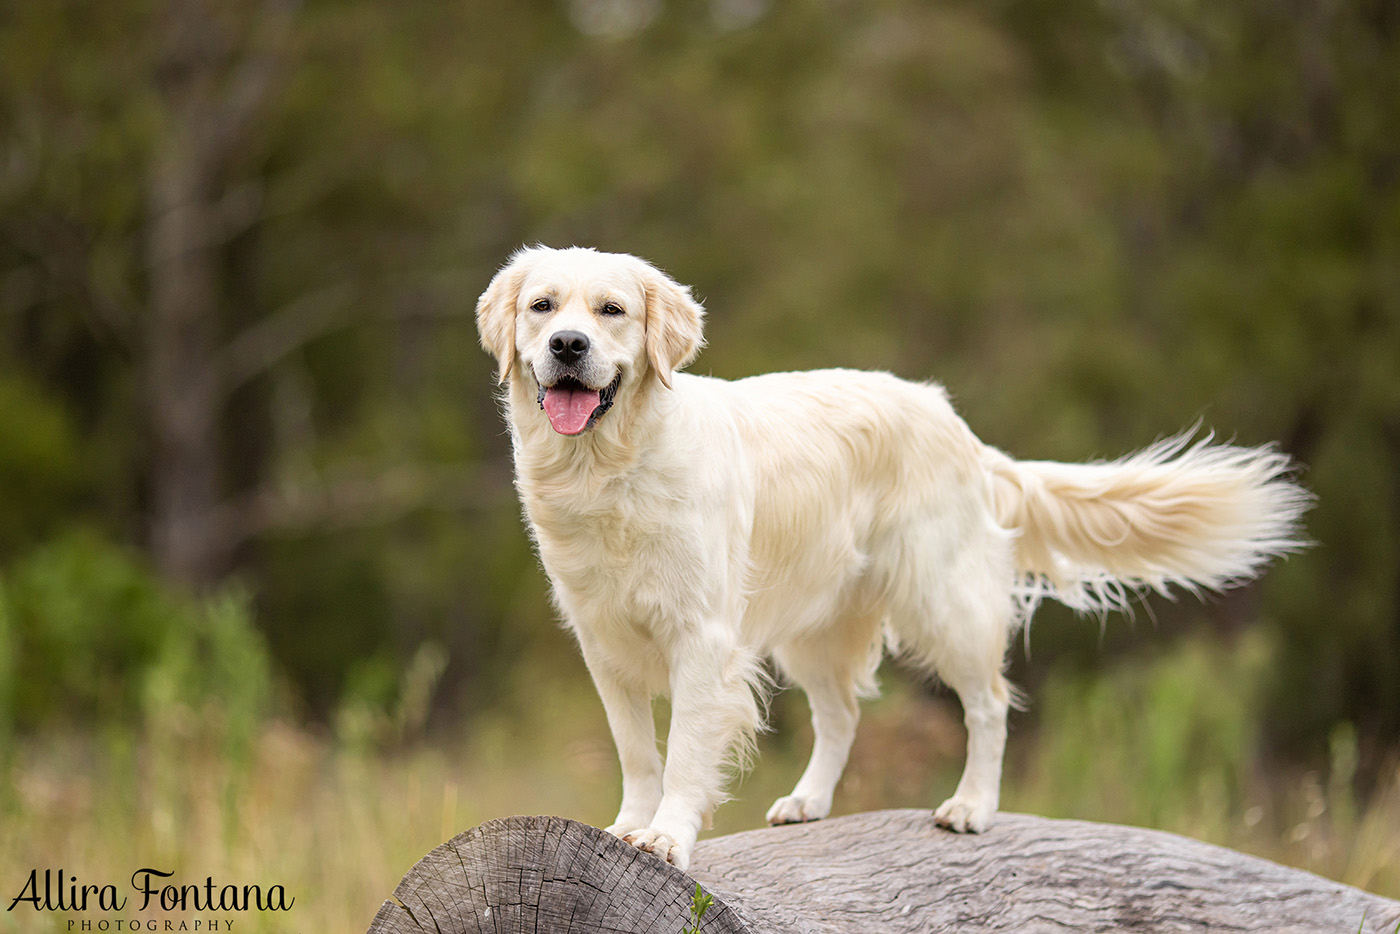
[568, 346]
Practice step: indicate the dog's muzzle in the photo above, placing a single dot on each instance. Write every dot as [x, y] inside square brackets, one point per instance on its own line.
[574, 407]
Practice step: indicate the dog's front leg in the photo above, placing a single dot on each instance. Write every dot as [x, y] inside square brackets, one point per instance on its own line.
[713, 710]
[628, 708]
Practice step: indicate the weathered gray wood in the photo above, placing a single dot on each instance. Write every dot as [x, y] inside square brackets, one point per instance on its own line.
[894, 871]
[543, 874]
[886, 871]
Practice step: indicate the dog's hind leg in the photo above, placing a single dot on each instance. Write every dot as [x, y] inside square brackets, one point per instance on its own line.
[985, 699]
[954, 618]
[832, 671]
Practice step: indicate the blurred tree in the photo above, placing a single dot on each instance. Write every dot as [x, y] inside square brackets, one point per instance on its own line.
[212, 86]
[231, 292]
[1267, 268]
[239, 246]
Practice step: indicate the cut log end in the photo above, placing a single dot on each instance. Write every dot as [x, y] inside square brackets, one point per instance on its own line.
[543, 874]
[888, 871]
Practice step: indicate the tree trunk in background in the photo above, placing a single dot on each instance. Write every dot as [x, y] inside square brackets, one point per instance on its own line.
[213, 85]
[183, 392]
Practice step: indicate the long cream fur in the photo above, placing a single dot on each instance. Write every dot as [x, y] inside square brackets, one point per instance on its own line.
[1195, 515]
[702, 526]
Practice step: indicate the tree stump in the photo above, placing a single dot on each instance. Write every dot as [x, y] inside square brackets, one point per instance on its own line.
[885, 871]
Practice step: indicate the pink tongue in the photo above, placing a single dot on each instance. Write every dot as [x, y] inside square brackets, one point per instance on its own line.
[569, 409]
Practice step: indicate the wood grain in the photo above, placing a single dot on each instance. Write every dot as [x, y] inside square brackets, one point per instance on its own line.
[543, 874]
[886, 871]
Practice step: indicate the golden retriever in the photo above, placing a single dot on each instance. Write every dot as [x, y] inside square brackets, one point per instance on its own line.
[693, 527]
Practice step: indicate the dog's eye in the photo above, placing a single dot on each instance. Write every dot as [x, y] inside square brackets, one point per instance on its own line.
[612, 308]
[542, 304]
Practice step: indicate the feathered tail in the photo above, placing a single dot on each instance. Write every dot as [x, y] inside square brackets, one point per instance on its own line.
[1198, 516]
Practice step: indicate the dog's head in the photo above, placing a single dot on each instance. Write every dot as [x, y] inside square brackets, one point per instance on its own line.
[579, 326]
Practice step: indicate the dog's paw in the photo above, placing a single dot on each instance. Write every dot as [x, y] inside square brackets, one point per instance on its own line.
[623, 828]
[659, 844]
[797, 809]
[965, 815]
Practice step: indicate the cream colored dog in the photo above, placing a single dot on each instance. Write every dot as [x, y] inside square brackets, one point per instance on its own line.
[692, 527]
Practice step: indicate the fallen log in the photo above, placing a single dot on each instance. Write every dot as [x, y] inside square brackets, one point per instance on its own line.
[885, 871]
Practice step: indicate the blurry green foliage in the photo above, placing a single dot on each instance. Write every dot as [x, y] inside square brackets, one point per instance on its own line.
[1175, 736]
[384, 706]
[88, 635]
[1094, 221]
[39, 464]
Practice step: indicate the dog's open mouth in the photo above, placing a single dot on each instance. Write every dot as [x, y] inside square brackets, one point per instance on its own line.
[572, 407]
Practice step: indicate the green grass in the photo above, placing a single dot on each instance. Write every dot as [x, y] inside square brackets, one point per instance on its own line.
[337, 819]
[1173, 744]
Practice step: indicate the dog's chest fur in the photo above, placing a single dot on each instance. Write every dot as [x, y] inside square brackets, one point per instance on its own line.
[624, 553]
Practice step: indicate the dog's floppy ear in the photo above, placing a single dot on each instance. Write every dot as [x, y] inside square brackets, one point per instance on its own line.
[675, 325]
[495, 316]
